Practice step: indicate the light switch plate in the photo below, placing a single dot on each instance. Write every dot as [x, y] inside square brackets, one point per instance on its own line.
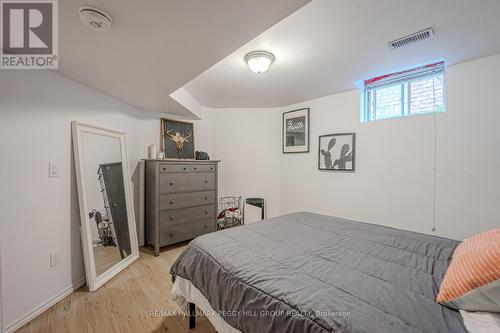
[53, 171]
[54, 258]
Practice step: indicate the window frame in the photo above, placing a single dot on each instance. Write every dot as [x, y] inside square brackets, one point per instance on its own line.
[403, 79]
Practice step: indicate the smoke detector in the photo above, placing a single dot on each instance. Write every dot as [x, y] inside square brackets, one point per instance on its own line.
[410, 39]
[94, 18]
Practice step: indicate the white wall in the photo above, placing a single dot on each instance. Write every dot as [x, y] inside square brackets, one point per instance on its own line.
[468, 150]
[40, 214]
[394, 180]
[247, 141]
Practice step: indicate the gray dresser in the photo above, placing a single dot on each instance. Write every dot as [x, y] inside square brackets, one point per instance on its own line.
[181, 200]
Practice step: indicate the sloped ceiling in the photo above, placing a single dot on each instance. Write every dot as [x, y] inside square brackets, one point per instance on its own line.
[154, 47]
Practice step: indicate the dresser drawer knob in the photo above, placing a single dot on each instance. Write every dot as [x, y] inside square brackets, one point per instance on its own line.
[206, 212]
[171, 234]
[211, 168]
[171, 202]
[184, 168]
[205, 226]
[171, 183]
[171, 218]
[206, 198]
[206, 181]
[195, 168]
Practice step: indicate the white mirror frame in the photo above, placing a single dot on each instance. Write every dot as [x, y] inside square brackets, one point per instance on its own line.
[94, 281]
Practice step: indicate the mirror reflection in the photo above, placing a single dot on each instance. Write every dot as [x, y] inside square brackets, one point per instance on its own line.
[107, 215]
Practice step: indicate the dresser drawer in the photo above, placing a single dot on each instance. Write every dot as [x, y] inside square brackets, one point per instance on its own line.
[183, 182]
[180, 216]
[202, 168]
[183, 200]
[168, 168]
[170, 234]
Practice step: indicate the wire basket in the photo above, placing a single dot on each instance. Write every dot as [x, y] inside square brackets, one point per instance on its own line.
[229, 212]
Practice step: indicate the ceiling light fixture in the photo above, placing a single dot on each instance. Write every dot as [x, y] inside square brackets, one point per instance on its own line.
[259, 61]
[95, 18]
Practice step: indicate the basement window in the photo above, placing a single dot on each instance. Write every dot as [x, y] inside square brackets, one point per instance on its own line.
[406, 93]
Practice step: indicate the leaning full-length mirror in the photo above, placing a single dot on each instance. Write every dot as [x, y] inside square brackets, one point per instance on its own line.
[109, 237]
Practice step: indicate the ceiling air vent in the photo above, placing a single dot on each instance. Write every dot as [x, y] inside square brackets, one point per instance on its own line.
[416, 37]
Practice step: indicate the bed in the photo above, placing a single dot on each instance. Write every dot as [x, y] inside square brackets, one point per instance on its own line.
[306, 272]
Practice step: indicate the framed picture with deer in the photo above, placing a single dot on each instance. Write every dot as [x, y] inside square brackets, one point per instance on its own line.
[177, 139]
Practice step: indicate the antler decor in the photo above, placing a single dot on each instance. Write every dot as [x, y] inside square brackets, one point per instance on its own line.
[179, 139]
[178, 134]
[188, 135]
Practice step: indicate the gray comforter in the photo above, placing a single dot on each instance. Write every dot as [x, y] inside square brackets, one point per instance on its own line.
[306, 272]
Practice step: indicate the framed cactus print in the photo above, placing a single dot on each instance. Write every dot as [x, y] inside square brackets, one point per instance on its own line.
[336, 152]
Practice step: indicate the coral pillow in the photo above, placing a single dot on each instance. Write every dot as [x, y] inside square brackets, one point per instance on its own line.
[472, 281]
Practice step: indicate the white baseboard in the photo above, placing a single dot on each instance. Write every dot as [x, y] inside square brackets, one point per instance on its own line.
[41, 308]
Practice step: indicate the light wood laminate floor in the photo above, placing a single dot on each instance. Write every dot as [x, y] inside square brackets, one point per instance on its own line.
[124, 304]
[105, 257]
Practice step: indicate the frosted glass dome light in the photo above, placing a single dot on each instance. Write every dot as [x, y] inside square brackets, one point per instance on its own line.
[259, 61]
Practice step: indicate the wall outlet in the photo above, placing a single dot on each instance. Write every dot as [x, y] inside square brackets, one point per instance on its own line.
[54, 258]
[53, 171]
